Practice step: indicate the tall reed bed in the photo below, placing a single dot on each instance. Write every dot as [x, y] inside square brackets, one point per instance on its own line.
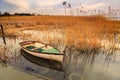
[82, 39]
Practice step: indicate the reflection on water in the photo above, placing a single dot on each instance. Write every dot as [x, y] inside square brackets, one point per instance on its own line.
[101, 63]
[92, 66]
[42, 62]
[12, 55]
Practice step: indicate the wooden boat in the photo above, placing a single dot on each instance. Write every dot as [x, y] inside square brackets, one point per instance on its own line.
[42, 62]
[42, 50]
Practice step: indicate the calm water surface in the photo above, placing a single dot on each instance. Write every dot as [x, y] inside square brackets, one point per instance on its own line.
[91, 65]
[18, 65]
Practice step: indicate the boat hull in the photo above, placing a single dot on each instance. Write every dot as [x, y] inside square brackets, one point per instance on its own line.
[55, 57]
[46, 56]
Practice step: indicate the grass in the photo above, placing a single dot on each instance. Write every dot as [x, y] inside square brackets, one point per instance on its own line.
[82, 38]
[83, 30]
[79, 31]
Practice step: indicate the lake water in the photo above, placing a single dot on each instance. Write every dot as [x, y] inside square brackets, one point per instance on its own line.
[15, 64]
[94, 64]
[100, 63]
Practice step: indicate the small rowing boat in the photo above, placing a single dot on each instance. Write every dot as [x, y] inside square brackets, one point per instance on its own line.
[42, 50]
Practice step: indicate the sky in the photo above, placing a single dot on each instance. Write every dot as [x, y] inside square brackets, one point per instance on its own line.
[54, 6]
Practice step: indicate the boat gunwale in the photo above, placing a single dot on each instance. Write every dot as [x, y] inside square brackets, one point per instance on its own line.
[22, 43]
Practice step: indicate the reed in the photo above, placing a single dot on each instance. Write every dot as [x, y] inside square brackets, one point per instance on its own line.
[87, 31]
[81, 38]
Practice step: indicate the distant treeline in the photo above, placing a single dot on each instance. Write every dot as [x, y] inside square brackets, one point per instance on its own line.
[17, 14]
[24, 14]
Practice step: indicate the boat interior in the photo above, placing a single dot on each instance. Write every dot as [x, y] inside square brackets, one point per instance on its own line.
[40, 47]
